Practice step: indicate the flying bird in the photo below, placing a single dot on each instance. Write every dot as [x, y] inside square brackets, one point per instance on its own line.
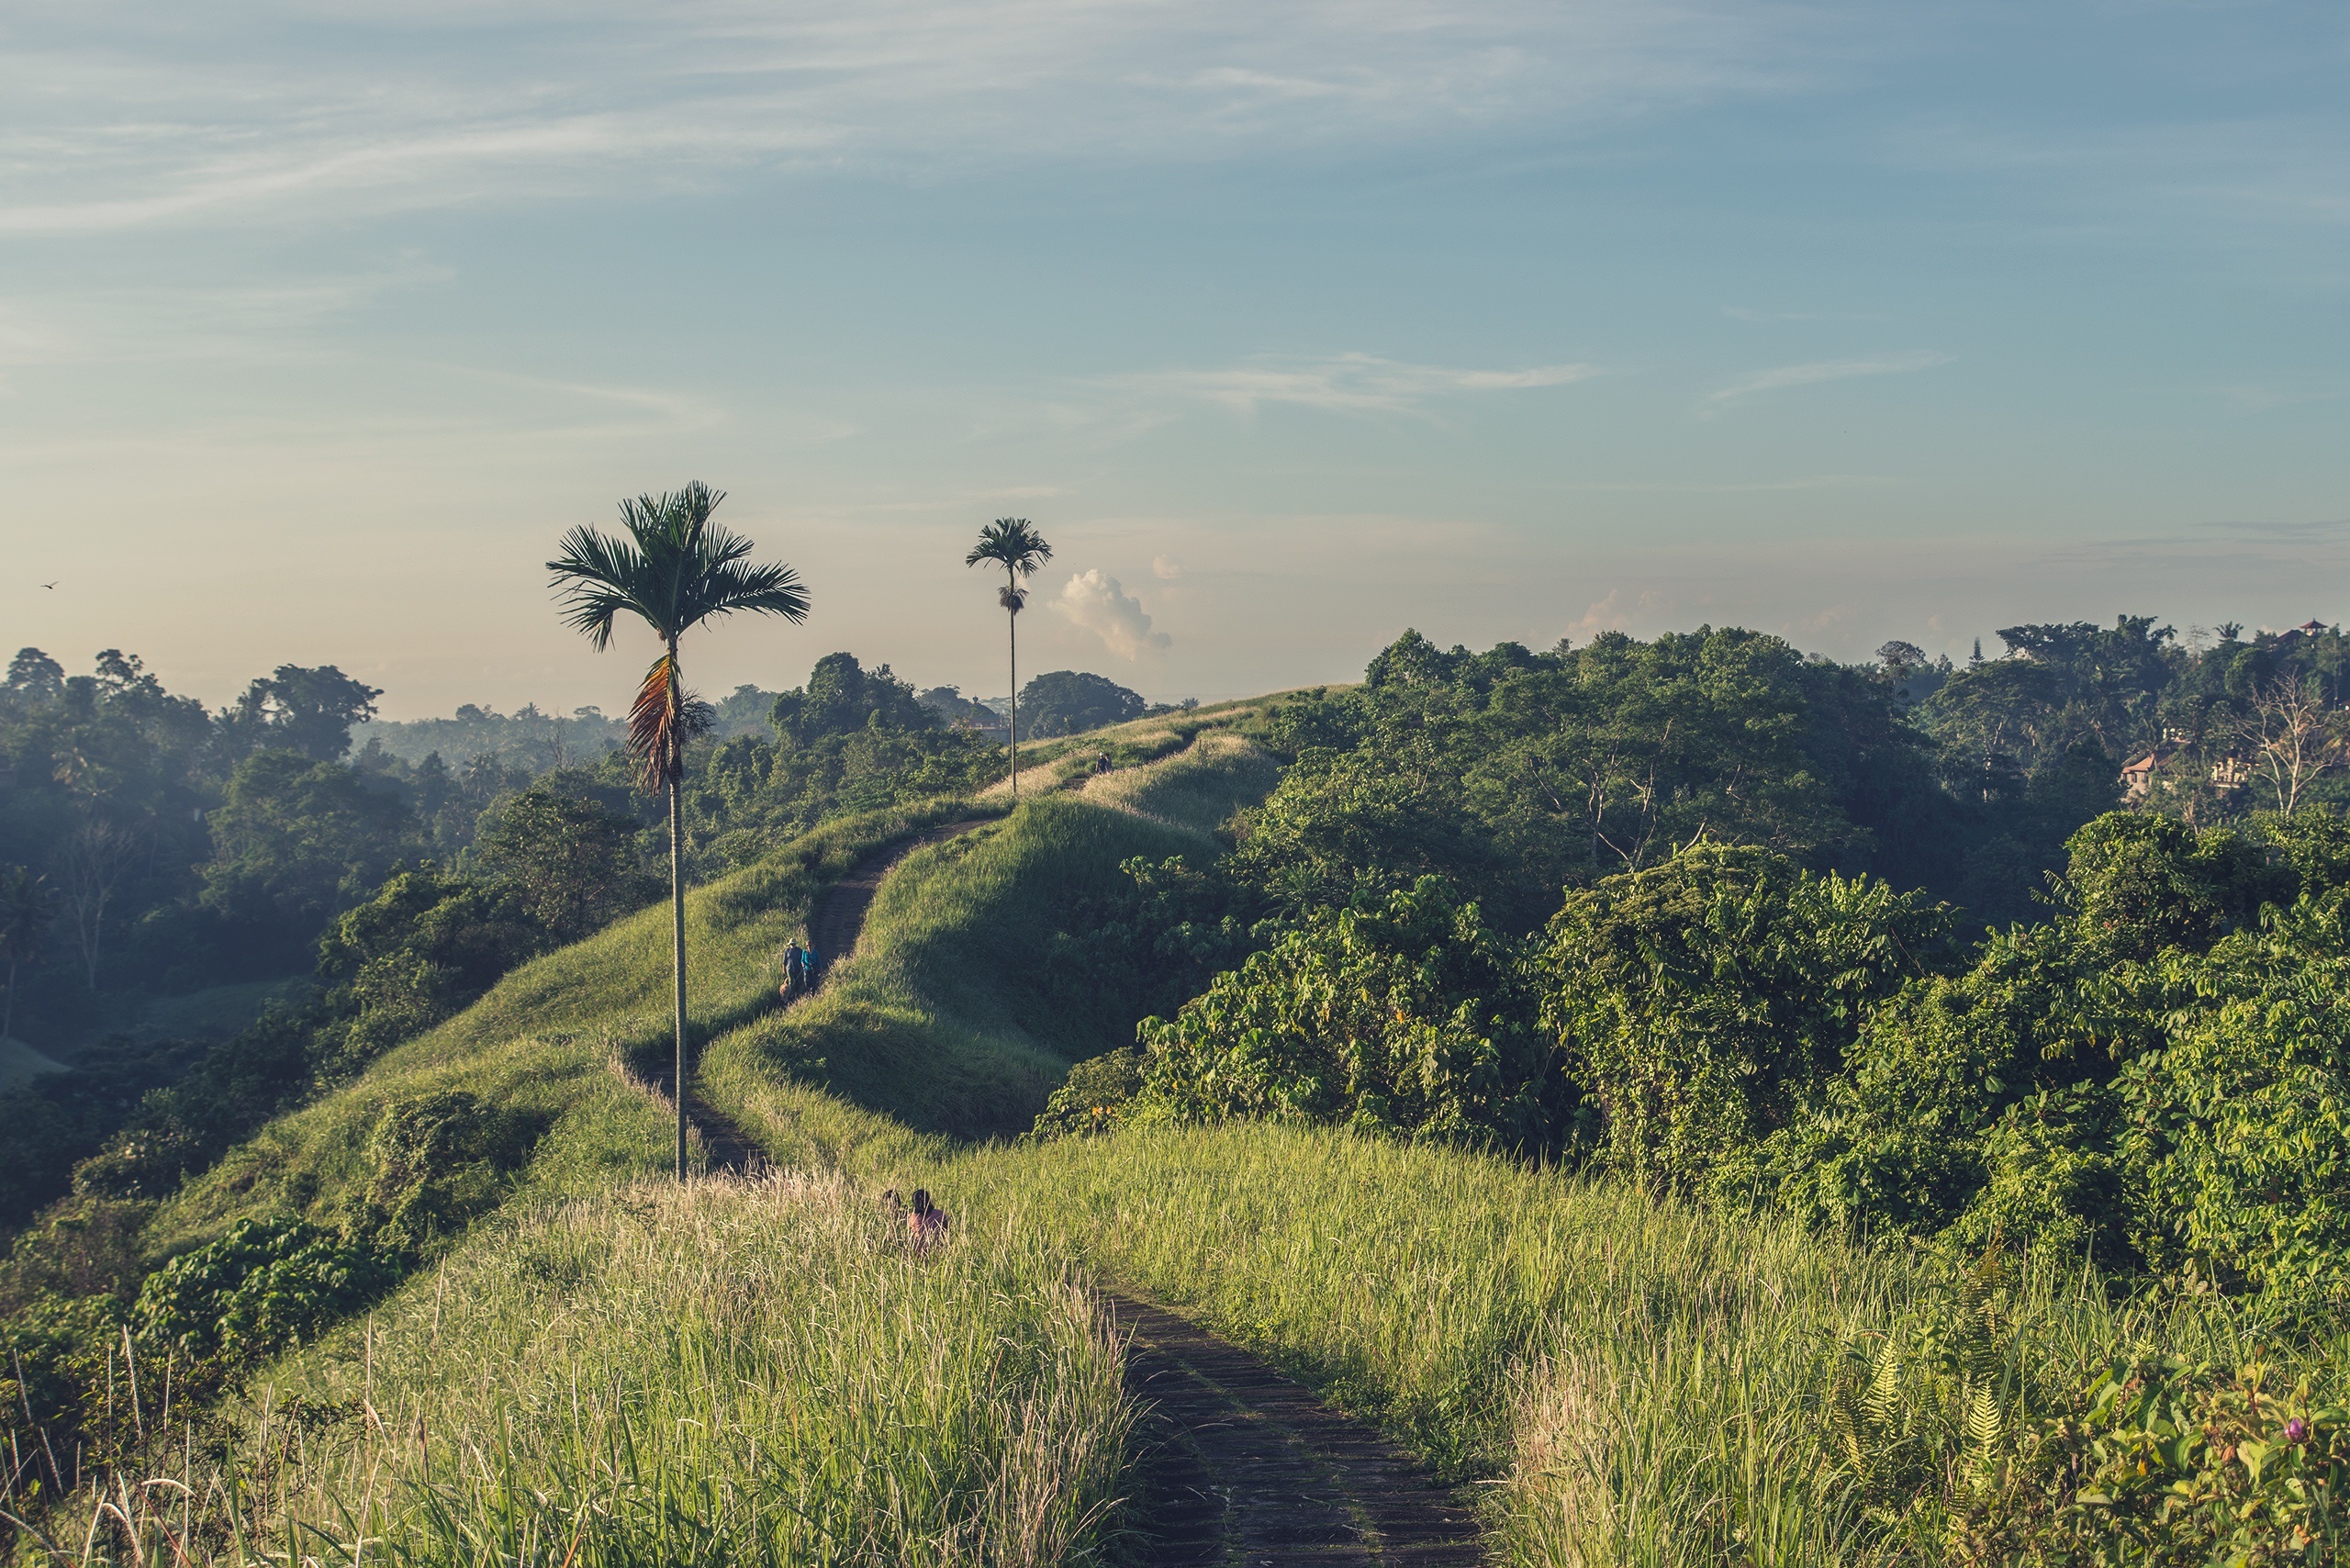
[53, 585]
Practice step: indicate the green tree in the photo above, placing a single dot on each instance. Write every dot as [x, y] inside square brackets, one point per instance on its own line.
[841, 697]
[1014, 544]
[295, 841]
[1701, 1001]
[26, 910]
[1067, 701]
[673, 570]
[1405, 1016]
[573, 862]
[299, 709]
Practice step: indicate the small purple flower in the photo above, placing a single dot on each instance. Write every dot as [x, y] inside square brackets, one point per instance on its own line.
[2296, 1429]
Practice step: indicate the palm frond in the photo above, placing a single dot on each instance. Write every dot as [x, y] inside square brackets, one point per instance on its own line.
[673, 568]
[601, 577]
[772, 589]
[1014, 599]
[1011, 543]
[662, 718]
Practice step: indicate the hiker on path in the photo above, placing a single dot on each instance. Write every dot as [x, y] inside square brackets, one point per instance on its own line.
[795, 971]
[925, 1221]
[809, 967]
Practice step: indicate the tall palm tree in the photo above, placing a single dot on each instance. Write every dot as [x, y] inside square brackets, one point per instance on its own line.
[673, 570]
[27, 907]
[1013, 543]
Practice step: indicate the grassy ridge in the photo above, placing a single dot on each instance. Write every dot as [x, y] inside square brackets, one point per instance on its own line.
[943, 1019]
[544, 1043]
[613, 1370]
[1640, 1382]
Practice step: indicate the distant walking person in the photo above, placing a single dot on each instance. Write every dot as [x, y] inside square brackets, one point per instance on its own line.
[813, 972]
[925, 1221]
[795, 971]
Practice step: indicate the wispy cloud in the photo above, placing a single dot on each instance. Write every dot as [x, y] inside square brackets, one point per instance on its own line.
[132, 118]
[1351, 383]
[1786, 376]
[1748, 313]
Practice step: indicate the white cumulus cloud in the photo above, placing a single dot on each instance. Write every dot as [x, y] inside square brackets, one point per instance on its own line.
[1098, 603]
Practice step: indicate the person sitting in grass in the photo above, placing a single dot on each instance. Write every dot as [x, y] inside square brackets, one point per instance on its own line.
[925, 1221]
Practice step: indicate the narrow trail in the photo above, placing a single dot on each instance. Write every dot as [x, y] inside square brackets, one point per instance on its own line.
[1241, 1466]
[833, 927]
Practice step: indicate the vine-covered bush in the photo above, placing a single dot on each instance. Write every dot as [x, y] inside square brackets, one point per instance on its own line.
[2238, 1137]
[437, 1161]
[1407, 1017]
[1702, 1003]
[267, 1285]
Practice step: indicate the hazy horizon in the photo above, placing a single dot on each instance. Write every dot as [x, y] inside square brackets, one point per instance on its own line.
[318, 324]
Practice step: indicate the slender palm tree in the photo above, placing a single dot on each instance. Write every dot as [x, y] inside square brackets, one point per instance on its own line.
[1013, 543]
[673, 570]
[27, 906]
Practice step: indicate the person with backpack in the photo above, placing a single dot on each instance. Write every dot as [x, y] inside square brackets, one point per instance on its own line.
[795, 971]
[925, 1221]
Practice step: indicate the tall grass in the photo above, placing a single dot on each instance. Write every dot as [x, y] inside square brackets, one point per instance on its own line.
[743, 1372]
[1635, 1380]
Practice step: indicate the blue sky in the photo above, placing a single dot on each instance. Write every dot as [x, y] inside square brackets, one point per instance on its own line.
[1290, 326]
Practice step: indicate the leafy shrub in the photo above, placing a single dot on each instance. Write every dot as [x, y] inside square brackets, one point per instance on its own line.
[2137, 884]
[267, 1285]
[1094, 1099]
[2239, 1135]
[416, 953]
[1404, 1016]
[2153, 1463]
[1701, 1003]
[437, 1161]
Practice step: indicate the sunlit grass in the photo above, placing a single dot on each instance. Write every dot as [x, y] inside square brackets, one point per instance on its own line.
[1637, 1380]
[743, 1372]
[543, 1042]
[942, 1018]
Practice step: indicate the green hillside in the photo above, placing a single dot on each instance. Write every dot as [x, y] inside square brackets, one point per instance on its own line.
[608, 1370]
[550, 1042]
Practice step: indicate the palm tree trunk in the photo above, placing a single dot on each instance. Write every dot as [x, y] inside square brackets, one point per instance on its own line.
[678, 921]
[1011, 620]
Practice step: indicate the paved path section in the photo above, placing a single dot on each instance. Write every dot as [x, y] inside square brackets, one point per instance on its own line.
[1245, 1466]
[838, 919]
[835, 924]
[1242, 1467]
